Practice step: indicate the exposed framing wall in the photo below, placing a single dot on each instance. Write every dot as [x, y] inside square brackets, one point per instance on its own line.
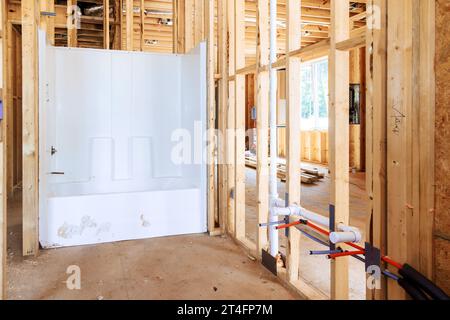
[30, 135]
[410, 114]
[3, 161]
[262, 120]
[410, 57]
[341, 42]
[211, 152]
[376, 131]
[416, 67]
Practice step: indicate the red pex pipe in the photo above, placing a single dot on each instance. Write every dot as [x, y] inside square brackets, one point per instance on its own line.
[392, 262]
[345, 254]
[353, 245]
[318, 229]
[285, 226]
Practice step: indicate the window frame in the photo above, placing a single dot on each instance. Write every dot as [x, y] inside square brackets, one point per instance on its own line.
[315, 123]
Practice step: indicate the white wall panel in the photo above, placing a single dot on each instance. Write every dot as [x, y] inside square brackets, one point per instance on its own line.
[110, 115]
[83, 109]
[121, 97]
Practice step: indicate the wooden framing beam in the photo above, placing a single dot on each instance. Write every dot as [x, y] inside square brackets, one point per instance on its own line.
[118, 17]
[30, 96]
[311, 52]
[71, 28]
[211, 104]
[175, 26]
[352, 43]
[240, 120]
[339, 136]
[376, 112]
[142, 25]
[129, 25]
[189, 28]
[3, 158]
[198, 22]
[413, 180]
[293, 97]
[223, 106]
[411, 128]
[106, 25]
[293, 125]
[189, 24]
[7, 95]
[427, 102]
[262, 122]
[399, 103]
[47, 23]
[179, 26]
[8, 105]
[231, 125]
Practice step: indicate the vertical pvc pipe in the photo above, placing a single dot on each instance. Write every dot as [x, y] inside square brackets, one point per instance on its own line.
[273, 234]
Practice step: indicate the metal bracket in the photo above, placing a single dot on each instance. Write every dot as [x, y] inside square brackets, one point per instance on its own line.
[48, 14]
[232, 193]
[269, 262]
[253, 113]
[286, 219]
[373, 256]
[332, 224]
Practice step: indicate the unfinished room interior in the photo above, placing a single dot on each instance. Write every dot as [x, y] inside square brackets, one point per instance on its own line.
[225, 150]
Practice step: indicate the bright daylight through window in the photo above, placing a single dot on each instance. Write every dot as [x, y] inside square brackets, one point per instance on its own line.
[314, 90]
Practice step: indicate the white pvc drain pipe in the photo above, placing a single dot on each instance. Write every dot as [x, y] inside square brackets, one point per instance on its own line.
[273, 232]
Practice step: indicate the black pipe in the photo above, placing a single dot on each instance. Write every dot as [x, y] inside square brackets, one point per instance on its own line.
[413, 292]
[413, 276]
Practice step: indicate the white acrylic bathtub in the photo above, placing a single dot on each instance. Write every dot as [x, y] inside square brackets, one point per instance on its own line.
[108, 127]
[91, 219]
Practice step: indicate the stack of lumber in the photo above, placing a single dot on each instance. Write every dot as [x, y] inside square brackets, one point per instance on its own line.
[308, 175]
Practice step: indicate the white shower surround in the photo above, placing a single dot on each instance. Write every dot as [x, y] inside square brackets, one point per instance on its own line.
[110, 116]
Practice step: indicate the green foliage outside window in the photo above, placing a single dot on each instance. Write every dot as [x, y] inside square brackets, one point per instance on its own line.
[314, 94]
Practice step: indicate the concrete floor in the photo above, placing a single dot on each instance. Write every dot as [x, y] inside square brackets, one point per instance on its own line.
[315, 270]
[186, 267]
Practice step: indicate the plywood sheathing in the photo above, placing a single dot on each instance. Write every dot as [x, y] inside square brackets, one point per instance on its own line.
[442, 151]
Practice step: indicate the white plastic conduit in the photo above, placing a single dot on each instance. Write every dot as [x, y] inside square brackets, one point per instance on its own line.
[344, 233]
[302, 212]
[273, 232]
